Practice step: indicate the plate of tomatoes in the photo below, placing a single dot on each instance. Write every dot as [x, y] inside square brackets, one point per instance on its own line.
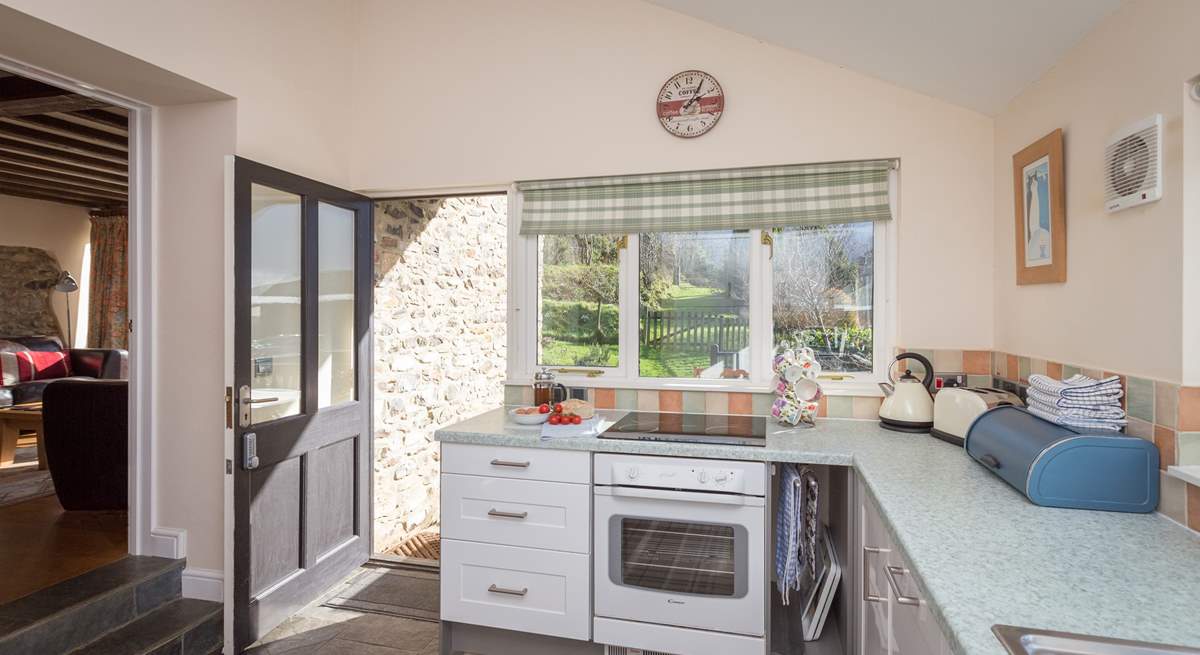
[535, 415]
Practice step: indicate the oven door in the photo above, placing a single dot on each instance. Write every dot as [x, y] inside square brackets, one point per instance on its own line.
[688, 559]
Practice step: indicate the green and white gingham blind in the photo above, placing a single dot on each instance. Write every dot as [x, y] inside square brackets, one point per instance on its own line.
[742, 198]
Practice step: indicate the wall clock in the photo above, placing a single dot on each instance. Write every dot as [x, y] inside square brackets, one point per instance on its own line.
[690, 104]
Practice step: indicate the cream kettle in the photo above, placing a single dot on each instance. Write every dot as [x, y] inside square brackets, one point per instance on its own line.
[908, 404]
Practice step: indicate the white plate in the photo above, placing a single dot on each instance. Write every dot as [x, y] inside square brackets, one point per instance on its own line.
[527, 419]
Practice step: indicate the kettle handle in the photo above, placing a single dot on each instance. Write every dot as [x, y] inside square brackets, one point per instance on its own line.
[927, 381]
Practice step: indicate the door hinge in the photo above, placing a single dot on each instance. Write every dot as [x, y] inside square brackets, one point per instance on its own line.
[229, 407]
[229, 467]
[130, 326]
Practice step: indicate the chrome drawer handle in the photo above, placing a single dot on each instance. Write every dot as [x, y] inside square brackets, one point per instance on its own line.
[892, 572]
[866, 593]
[507, 515]
[504, 462]
[508, 592]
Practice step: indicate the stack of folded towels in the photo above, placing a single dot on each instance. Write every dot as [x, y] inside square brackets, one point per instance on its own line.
[1079, 402]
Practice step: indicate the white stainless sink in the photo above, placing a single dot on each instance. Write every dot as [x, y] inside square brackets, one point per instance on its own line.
[1028, 641]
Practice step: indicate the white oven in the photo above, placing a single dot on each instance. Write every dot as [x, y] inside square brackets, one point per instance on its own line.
[681, 542]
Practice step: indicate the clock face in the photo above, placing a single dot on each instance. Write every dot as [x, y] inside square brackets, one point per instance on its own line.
[690, 104]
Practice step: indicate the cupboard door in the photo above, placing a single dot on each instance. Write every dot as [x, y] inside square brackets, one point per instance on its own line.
[875, 631]
[914, 630]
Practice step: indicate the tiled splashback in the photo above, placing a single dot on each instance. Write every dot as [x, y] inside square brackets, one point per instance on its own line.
[1161, 412]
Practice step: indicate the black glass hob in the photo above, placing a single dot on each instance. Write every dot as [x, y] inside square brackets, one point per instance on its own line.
[693, 428]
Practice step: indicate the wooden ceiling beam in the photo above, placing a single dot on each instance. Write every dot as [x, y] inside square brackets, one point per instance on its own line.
[58, 156]
[81, 119]
[91, 203]
[59, 127]
[23, 88]
[35, 106]
[64, 144]
[33, 163]
[18, 169]
[36, 184]
[110, 116]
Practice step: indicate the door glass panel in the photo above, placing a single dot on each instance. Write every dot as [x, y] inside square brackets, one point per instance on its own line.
[335, 306]
[274, 303]
[692, 558]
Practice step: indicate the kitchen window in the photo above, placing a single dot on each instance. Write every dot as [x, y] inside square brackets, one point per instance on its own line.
[696, 280]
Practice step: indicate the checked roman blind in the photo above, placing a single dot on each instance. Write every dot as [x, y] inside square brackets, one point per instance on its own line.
[739, 198]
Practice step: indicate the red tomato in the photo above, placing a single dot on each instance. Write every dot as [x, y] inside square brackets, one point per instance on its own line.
[543, 409]
[576, 420]
[558, 408]
[555, 419]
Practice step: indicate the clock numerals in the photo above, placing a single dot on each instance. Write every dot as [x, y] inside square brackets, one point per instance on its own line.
[690, 104]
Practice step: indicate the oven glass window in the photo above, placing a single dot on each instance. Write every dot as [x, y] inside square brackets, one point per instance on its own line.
[692, 558]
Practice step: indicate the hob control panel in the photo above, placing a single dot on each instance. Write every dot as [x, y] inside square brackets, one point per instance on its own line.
[680, 473]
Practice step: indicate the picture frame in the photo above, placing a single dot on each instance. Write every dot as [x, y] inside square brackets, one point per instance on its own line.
[1040, 211]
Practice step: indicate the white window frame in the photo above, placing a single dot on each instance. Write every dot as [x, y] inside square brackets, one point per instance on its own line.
[523, 317]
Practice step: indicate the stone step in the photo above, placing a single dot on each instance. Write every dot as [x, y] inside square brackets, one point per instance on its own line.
[65, 616]
[183, 627]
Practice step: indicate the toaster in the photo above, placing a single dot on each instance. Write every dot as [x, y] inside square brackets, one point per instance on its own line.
[955, 408]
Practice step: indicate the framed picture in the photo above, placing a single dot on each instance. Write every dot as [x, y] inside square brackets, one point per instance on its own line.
[1041, 211]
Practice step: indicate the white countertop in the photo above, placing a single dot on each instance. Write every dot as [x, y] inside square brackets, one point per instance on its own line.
[983, 553]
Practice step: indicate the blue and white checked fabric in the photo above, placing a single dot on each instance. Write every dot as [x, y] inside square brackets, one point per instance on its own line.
[1078, 386]
[1099, 412]
[1052, 400]
[795, 527]
[1079, 423]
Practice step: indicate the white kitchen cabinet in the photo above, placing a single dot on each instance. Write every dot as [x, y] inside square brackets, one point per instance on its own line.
[543, 464]
[549, 515]
[894, 615]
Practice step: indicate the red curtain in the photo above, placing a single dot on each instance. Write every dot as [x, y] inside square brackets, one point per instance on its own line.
[108, 295]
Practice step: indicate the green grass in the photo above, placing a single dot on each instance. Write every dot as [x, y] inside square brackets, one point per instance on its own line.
[685, 296]
[656, 362]
[562, 353]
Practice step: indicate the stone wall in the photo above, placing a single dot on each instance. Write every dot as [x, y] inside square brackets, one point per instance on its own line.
[440, 341]
[27, 279]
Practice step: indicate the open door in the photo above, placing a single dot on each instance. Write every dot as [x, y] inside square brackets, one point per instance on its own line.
[302, 375]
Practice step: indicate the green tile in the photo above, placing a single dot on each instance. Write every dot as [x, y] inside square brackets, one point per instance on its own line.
[1069, 370]
[514, 394]
[762, 404]
[1189, 449]
[1023, 368]
[627, 399]
[841, 406]
[693, 402]
[1166, 404]
[979, 380]
[1140, 401]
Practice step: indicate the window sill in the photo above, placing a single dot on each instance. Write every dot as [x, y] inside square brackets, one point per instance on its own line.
[1189, 474]
[829, 387]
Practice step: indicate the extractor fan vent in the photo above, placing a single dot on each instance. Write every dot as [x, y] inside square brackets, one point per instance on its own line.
[621, 650]
[1133, 165]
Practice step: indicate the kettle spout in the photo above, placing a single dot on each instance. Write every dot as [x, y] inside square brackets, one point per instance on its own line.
[887, 388]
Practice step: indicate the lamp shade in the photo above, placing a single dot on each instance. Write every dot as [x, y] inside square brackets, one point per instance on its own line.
[66, 283]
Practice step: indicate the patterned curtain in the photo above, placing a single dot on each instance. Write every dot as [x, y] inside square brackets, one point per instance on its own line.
[108, 295]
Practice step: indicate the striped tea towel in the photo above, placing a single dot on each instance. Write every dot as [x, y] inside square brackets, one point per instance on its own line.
[1112, 412]
[1078, 386]
[795, 515]
[1045, 398]
[1108, 425]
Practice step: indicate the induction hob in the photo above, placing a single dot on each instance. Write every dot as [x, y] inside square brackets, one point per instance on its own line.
[690, 428]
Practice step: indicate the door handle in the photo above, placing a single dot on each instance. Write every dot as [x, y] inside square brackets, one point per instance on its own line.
[508, 592]
[507, 515]
[866, 593]
[510, 464]
[892, 572]
[255, 401]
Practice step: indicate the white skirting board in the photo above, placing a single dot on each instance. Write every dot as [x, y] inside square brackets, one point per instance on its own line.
[204, 584]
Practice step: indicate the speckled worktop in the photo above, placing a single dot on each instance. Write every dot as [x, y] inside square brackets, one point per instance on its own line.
[983, 553]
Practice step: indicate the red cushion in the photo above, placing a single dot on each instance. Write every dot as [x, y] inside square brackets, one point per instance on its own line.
[33, 365]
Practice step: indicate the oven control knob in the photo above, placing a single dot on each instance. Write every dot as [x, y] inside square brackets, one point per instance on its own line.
[632, 472]
[702, 476]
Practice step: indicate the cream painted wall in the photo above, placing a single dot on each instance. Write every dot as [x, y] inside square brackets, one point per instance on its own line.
[460, 94]
[62, 230]
[1120, 308]
[286, 62]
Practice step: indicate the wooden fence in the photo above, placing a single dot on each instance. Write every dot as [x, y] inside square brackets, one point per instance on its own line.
[695, 328]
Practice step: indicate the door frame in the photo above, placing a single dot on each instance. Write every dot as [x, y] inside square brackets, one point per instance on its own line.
[144, 538]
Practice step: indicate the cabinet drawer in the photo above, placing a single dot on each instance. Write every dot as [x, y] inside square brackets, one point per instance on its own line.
[523, 589]
[535, 514]
[519, 463]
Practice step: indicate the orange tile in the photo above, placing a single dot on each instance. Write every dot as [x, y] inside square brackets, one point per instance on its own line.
[670, 401]
[1054, 370]
[977, 362]
[671, 423]
[1193, 507]
[1014, 368]
[607, 398]
[739, 403]
[1124, 386]
[1164, 438]
[823, 407]
[1189, 409]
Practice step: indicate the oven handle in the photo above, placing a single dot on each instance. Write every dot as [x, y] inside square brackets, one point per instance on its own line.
[683, 496]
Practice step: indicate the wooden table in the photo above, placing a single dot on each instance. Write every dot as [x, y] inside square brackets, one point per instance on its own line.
[14, 419]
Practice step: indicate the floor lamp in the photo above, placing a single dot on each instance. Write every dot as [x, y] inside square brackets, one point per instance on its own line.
[66, 284]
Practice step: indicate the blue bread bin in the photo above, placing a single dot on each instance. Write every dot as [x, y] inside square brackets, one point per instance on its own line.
[1056, 466]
